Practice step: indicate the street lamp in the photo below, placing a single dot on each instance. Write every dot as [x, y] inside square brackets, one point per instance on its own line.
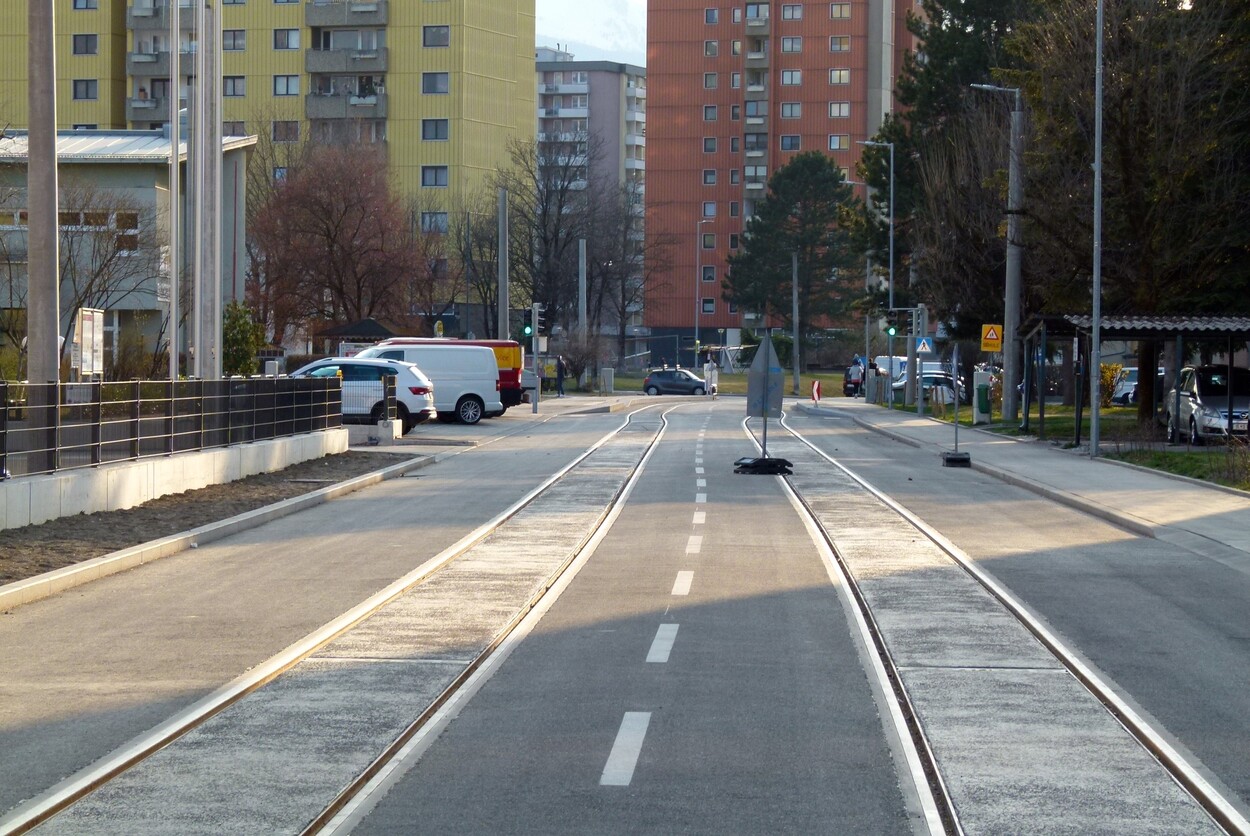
[890, 348]
[1011, 294]
[698, 282]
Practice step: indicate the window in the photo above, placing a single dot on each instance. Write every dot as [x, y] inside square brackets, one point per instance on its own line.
[839, 43]
[733, 145]
[733, 307]
[839, 76]
[757, 11]
[233, 40]
[756, 142]
[709, 145]
[435, 36]
[733, 181]
[286, 131]
[709, 81]
[737, 15]
[791, 44]
[435, 129]
[839, 11]
[233, 129]
[286, 85]
[286, 39]
[86, 126]
[86, 4]
[86, 44]
[791, 77]
[734, 210]
[709, 272]
[86, 88]
[735, 80]
[433, 83]
[733, 241]
[709, 177]
[709, 209]
[708, 241]
[709, 113]
[735, 112]
[232, 2]
[711, 49]
[839, 142]
[711, 15]
[434, 222]
[233, 85]
[757, 108]
[283, 2]
[434, 176]
[736, 47]
[790, 142]
[791, 110]
[279, 173]
[757, 172]
[791, 11]
[709, 306]
[839, 110]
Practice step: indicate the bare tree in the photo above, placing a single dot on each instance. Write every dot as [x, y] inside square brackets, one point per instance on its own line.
[475, 237]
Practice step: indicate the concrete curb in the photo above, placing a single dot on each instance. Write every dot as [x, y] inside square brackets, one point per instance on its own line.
[50, 583]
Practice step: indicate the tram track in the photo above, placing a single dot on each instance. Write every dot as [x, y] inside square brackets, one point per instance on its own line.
[941, 804]
[638, 434]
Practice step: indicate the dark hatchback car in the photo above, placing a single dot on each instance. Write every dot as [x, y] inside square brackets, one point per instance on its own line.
[673, 382]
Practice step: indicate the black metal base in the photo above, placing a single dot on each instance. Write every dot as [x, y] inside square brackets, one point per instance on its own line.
[764, 465]
[956, 460]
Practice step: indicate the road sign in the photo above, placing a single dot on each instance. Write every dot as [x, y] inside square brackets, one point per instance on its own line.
[991, 338]
[764, 383]
[924, 345]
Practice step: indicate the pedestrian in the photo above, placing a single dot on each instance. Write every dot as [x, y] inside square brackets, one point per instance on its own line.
[561, 370]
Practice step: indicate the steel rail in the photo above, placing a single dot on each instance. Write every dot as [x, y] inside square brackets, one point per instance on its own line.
[1188, 777]
[29, 815]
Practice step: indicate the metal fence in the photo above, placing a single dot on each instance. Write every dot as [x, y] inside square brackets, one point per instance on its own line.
[58, 426]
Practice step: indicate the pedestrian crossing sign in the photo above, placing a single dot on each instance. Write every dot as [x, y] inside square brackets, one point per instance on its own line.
[924, 345]
[991, 338]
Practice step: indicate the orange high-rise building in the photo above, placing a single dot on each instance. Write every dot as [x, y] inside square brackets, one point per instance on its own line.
[734, 92]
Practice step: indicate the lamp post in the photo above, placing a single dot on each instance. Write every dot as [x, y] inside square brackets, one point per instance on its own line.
[1095, 340]
[698, 282]
[1011, 293]
[890, 342]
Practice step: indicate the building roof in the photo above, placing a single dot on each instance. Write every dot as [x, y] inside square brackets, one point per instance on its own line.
[109, 146]
[1147, 327]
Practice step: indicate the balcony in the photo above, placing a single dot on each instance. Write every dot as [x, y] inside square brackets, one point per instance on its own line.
[638, 91]
[147, 110]
[346, 13]
[156, 16]
[758, 25]
[581, 88]
[757, 61]
[635, 139]
[633, 114]
[635, 165]
[341, 106]
[755, 120]
[755, 93]
[147, 64]
[350, 61]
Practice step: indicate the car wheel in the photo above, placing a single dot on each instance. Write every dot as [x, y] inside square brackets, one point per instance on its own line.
[378, 413]
[405, 419]
[470, 410]
[651, 390]
[1194, 438]
[698, 390]
[1174, 435]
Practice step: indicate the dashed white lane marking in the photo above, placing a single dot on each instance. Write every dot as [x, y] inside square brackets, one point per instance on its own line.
[700, 483]
[681, 586]
[698, 460]
[698, 470]
[695, 544]
[619, 770]
[662, 645]
[700, 517]
[700, 498]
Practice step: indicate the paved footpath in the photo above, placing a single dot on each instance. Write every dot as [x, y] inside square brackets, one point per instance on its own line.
[1210, 520]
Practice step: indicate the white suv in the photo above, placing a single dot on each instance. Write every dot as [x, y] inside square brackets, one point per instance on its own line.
[363, 391]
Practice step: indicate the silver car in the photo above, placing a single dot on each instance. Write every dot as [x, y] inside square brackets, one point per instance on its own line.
[1203, 403]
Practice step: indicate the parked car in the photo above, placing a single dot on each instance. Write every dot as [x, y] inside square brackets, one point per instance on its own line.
[1125, 391]
[673, 382]
[363, 392]
[1203, 403]
[939, 384]
[466, 377]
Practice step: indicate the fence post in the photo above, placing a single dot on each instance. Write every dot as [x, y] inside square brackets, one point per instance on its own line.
[54, 422]
[4, 429]
[136, 417]
[171, 415]
[97, 432]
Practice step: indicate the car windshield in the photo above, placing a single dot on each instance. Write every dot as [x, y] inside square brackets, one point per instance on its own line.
[1215, 382]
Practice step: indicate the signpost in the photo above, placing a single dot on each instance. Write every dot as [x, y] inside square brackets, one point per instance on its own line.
[992, 338]
[764, 383]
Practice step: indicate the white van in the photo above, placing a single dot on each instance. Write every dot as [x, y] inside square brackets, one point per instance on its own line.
[465, 377]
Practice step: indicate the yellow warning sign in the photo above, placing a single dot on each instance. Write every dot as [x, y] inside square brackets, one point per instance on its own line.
[991, 338]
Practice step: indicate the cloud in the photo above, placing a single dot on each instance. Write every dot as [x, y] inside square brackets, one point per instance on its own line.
[615, 29]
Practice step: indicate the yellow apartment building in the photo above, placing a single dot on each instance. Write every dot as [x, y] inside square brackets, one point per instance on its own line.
[443, 83]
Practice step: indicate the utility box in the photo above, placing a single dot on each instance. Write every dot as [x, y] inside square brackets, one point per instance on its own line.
[607, 380]
[981, 397]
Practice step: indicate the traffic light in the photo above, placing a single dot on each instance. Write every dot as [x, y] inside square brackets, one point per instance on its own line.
[527, 323]
[538, 318]
[891, 323]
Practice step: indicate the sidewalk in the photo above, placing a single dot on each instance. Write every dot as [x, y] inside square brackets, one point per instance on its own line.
[1205, 519]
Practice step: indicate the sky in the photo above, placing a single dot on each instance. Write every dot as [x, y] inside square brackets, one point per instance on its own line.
[595, 30]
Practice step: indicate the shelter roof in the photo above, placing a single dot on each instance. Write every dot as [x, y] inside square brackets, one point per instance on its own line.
[1153, 327]
[108, 146]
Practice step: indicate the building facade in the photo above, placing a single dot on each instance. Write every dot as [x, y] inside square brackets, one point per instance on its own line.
[443, 83]
[735, 92]
[604, 102]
